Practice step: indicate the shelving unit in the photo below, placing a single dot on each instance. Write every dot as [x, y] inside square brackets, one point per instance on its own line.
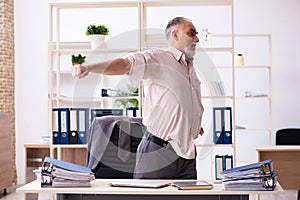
[251, 114]
[214, 63]
[67, 91]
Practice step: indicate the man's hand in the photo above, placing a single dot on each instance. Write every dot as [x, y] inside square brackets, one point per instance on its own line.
[79, 70]
[201, 132]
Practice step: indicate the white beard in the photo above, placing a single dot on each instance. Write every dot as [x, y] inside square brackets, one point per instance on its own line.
[190, 51]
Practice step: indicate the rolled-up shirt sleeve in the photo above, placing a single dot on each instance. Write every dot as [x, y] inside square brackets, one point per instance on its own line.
[144, 65]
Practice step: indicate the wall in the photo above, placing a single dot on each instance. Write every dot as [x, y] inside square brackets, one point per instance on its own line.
[281, 19]
[7, 69]
[257, 16]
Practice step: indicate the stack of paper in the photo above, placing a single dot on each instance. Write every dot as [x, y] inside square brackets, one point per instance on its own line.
[255, 176]
[57, 173]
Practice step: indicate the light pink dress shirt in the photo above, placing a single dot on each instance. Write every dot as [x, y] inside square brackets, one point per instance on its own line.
[172, 108]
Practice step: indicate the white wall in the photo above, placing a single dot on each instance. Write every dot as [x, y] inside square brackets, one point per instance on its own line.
[279, 18]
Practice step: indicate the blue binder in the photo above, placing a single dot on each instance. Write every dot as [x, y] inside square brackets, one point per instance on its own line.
[217, 126]
[222, 125]
[227, 111]
[56, 126]
[65, 125]
[265, 166]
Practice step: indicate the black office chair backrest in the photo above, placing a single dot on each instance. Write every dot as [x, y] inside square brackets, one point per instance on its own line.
[110, 165]
[288, 136]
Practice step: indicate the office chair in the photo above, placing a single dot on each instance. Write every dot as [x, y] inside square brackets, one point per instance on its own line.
[110, 165]
[288, 136]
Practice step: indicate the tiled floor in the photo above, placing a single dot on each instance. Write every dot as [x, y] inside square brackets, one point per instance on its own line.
[286, 195]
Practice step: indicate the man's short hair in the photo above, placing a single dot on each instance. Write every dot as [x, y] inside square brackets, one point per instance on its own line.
[177, 21]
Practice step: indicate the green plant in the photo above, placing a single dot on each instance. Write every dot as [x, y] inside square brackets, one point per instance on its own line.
[78, 59]
[97, 29]
[125, 103]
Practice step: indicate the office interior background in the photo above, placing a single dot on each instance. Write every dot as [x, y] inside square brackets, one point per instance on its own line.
[279, 18]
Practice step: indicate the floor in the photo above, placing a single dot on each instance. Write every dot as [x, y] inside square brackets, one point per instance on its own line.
[12, 195]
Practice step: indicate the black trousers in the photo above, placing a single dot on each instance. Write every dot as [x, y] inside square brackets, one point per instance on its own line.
[156, 159]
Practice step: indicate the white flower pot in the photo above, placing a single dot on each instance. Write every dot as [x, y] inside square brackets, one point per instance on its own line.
[96, 40]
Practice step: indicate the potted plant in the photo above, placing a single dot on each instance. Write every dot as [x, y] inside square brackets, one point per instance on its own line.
[130, 105]
[97, 33]
[78, 59]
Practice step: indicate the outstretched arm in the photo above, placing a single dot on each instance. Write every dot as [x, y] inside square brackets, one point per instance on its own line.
[117, 66]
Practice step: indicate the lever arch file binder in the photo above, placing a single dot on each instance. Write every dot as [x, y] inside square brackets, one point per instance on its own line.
[73, 126]
[217, 126]
[219, 166]
[55, 126]
[65, 125]
[228, 162]
[83, 125]
[222, 162]
[254, 176]
[227, 125]
[58, 173]
[222, 125]
[104, 112]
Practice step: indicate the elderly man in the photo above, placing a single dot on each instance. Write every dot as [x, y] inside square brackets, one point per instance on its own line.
[172, 105]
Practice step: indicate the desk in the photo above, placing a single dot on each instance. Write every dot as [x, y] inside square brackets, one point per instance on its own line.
[34, 156]
[286, 162]
[100, 190]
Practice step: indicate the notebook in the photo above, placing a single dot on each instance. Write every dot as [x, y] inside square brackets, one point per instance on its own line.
[192, 185]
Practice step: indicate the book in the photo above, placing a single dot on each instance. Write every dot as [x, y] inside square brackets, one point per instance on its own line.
[140, 184]
[192, 185]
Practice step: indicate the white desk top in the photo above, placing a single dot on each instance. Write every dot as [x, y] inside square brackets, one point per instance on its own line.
[100, 186]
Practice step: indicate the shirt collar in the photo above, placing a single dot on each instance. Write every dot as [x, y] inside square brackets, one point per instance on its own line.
[179, 55]
[176, 53]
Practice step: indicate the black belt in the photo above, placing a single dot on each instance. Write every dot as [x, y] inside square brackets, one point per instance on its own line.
[158, 141]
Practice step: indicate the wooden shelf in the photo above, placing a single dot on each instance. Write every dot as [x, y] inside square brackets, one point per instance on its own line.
[224, 46]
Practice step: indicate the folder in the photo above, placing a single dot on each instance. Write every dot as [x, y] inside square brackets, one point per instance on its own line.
[65, 125]
[227, 125]
[55, 126]
[254, 176]
[262, 168]
[132, 111]
[217, 126]
[219, 166]
[83, 125]
[73, 126]
[58, 173]
[228, 162]
[222, 162]
[263, 183]
[104, 112]
[222, 125]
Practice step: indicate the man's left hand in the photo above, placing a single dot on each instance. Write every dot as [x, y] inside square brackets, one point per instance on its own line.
[201, 131]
